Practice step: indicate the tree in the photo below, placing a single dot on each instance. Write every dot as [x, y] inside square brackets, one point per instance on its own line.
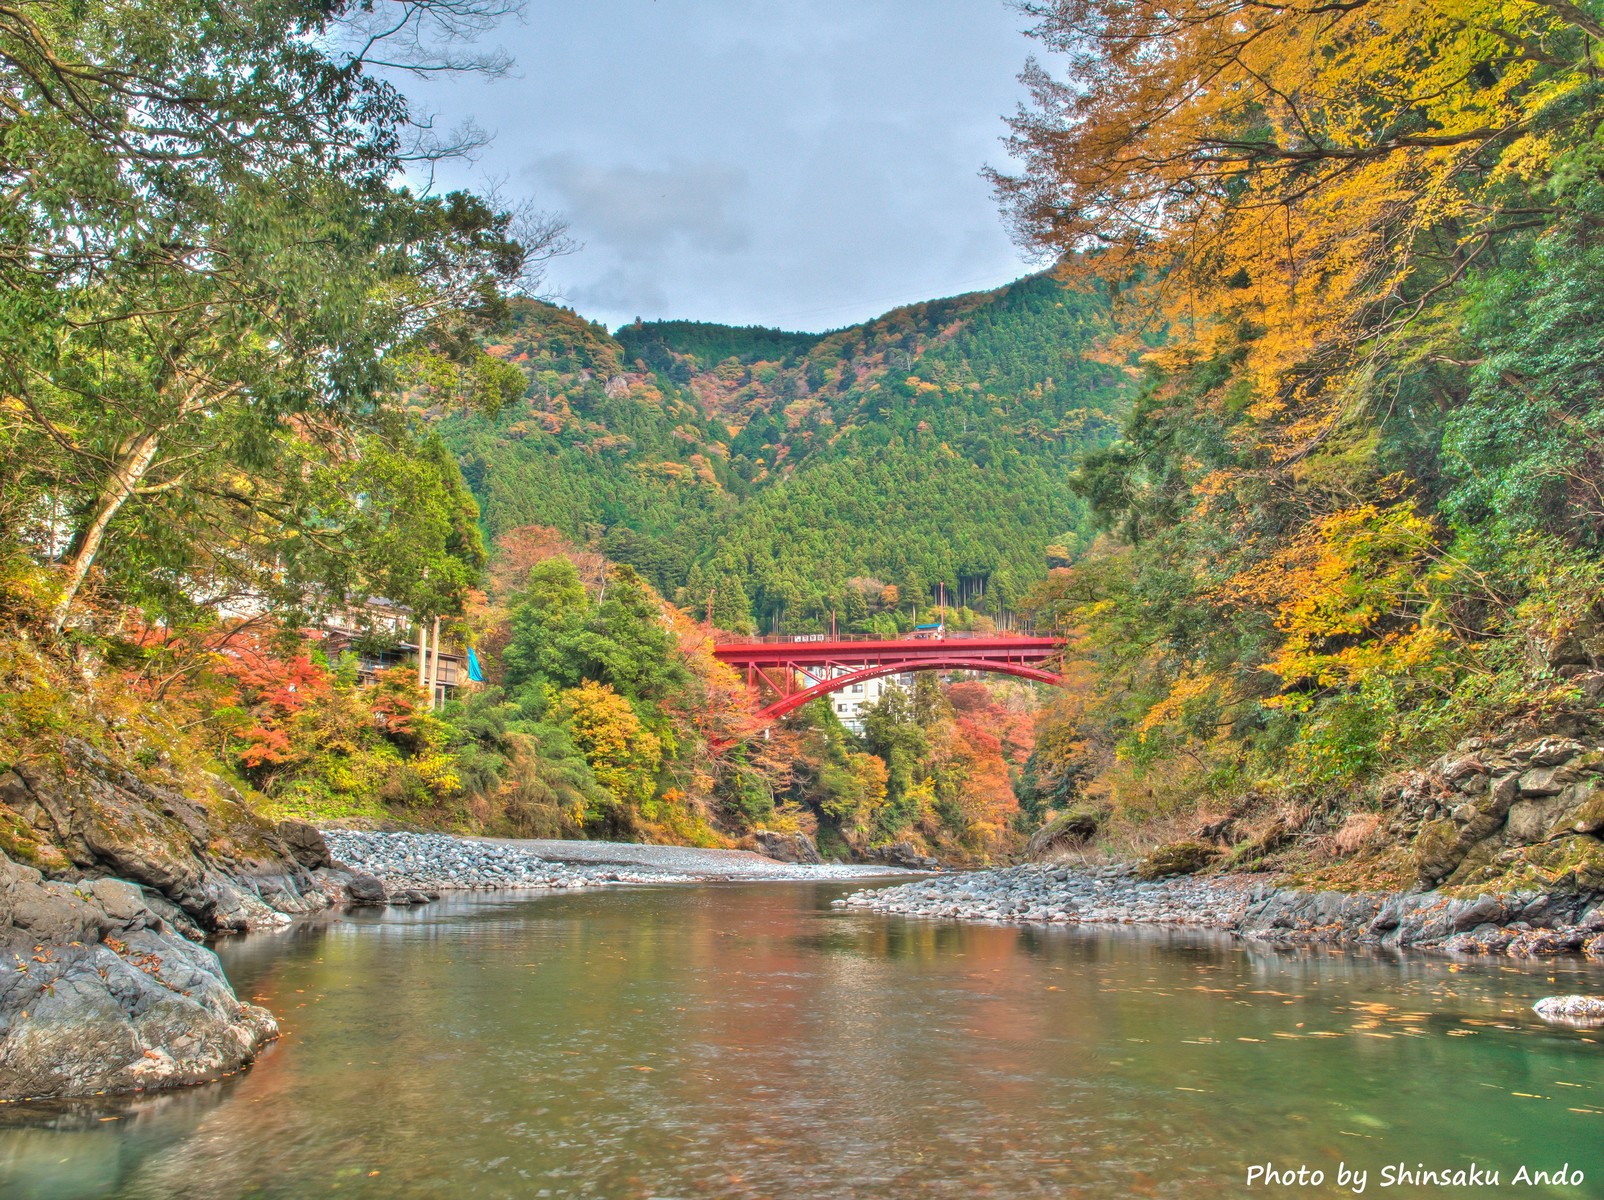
[1294, 181]
[1355, 248]
[623, 755]
[209, 280]
[548, 626]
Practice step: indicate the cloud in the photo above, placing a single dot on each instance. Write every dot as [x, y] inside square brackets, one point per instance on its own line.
[643, 211]
[808, 163]
[618, 290]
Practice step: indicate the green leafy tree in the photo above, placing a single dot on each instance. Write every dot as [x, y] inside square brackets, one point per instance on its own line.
[211, 283]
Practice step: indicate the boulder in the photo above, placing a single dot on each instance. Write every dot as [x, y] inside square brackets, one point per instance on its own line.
[128, 1014]
[1177, 858]
[1584, 808]
[1570, 864]
[1464, 773]
[1484, 910]
[305, 844]
[366, 889]
[1438, 850]
[109, 875]
[1530, 818]
[787, 847]
[98, 993]
[1571, 1008]
[211, 857]
[1072, 828]
[904, 854]
[1547, 752]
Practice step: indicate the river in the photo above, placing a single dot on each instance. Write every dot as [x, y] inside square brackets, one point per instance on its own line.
[746, 1040]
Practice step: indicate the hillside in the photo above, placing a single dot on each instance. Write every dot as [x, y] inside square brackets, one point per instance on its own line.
[796, 475]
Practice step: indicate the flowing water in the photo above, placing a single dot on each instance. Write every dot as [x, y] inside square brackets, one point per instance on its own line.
[749, 1041]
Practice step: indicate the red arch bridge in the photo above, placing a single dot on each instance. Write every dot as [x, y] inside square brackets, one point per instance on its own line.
[794, 670]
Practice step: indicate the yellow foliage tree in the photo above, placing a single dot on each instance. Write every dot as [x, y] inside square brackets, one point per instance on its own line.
[1296, 180]
[1352, 597]
[623, 754]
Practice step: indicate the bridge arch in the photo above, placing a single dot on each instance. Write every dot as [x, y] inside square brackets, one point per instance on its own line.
[795, 700]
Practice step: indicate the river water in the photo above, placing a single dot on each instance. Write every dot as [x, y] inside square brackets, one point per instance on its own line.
[749, 1041]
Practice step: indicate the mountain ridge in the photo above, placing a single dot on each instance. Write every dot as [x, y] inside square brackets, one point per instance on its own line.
[929, 449]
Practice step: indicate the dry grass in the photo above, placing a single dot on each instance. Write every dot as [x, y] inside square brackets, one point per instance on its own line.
[1356, 832]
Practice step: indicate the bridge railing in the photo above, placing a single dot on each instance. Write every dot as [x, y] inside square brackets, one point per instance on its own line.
[790, 639]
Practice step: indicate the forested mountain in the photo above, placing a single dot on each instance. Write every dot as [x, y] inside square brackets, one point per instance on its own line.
[788, 476]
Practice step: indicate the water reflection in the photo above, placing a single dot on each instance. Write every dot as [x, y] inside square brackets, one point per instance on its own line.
[748, 1041]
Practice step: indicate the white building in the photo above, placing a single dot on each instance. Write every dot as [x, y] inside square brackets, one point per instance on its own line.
[853, 700]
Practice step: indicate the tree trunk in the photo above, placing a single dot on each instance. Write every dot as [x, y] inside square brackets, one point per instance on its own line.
[125, 477]
[423, 655]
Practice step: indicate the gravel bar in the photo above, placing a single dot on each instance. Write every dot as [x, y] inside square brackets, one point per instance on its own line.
[1527, 924]
[691, 862]
[1063, 895]
[426, 862]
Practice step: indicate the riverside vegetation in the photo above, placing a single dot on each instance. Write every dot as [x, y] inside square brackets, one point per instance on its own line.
[228, 343]
[1350, 570]
[1298, 442]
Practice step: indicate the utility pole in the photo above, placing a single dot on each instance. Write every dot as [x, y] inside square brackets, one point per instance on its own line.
[434, 665]
[423, 654]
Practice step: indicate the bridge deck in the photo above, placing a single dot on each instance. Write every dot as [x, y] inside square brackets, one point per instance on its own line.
[791, 668]
[869, 651]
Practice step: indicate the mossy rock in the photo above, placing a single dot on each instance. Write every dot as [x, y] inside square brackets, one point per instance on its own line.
[1070, 829]
[20, 843]
[1437, 850]
[1478, 865]
[1586, 817]
[1252, 855]
[1566, 864]
[1177, 858]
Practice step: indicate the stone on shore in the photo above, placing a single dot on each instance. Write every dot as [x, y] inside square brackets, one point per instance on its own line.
[1073, 828]
[787, 847]
[1571, 1008]
[110, 876]
[1177, 858]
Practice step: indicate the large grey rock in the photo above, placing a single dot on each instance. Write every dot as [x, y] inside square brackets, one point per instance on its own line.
[787, 847]
[98, 993]
[365, 889]
[1480, 911]
[101, 986]
[212, 859]
[152, 1010]
[1541, 781]
[1531, 818]
[305, 843]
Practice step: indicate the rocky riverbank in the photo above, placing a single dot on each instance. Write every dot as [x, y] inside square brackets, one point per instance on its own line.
[109, 878]
[1519, 924]
[414, 867]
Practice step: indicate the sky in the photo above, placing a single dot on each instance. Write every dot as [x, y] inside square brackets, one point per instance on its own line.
[805, 164]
